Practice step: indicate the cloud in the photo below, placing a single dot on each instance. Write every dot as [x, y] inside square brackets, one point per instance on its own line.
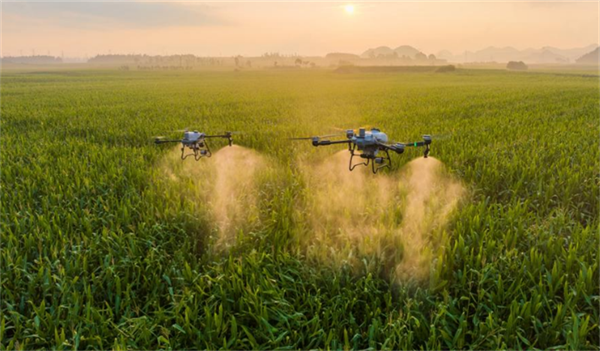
[94, 15]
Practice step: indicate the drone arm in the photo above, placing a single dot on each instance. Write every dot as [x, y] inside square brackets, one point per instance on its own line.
[161, 141]
[416, 144]
[228, 136]
[426, 142]
[397, 148]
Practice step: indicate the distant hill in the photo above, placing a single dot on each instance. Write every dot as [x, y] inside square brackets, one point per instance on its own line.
[444, 54]
[378, 52]
[406, 50]
[590, 57]
[572, 54]
[546, 54]
[494, 54]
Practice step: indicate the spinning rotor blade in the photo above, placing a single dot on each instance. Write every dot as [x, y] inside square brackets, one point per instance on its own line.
[223, 135]
[444, 136]
[330, 135]
[393, 142]
[420, 142]
[318, 137]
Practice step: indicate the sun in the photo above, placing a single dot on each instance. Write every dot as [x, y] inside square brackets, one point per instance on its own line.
[349, 9]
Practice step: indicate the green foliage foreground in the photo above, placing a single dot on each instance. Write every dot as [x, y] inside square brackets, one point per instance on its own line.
[100, 251]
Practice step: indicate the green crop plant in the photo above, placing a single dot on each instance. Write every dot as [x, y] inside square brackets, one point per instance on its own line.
[99, 249]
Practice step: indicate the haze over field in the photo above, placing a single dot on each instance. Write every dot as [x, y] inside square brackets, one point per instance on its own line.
[310, 29]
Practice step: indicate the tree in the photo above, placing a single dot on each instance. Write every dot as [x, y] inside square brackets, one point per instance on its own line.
[432, 57]
[419, 56]
[517, 66]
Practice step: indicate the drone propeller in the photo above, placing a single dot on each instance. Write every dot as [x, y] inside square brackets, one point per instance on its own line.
[162, 140]
[159, 138]
[318, 137]
[444, 136]
[190, 129]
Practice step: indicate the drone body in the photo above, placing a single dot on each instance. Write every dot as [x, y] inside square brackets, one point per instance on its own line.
[372, 146]
[196, 142]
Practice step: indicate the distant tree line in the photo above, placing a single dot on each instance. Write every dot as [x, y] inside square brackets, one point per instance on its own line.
[38, 59]
[162, 68]
[276, 55]
[418, 57]
[158, 61]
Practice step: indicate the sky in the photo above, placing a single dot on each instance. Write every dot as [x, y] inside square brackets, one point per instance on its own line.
[305, 27]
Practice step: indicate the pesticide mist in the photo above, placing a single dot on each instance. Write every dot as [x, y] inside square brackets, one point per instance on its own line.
[395, 220]
[225, 186]
[391, 222]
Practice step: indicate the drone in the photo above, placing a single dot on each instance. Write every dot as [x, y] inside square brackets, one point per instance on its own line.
[368, 144]
[196, 142]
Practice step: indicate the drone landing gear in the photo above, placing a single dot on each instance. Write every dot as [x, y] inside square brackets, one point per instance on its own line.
[377, 163]
[352, 166]
[382, 161]
[198, 151]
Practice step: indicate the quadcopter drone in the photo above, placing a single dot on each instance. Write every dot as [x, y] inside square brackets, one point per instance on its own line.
[196, 142]
[369, 144]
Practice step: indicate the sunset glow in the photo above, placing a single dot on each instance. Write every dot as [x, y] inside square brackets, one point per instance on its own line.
[349, 9]
[80, 29]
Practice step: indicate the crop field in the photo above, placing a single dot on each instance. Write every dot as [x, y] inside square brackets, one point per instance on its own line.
[110, 241]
